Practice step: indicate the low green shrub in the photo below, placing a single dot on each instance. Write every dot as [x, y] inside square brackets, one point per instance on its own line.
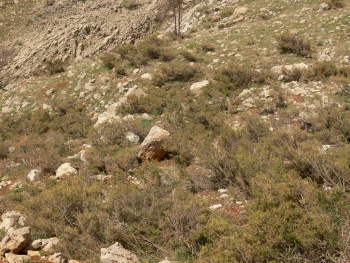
[226, 12]
[55, 66]
[289, 43]
[334, 4]
[5, 55]
[189, 56]
[109, 60]
[236, 76]
[207, 47]
[175, 71]
[131, 4]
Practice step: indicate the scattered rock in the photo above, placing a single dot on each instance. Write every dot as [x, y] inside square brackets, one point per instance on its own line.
[135, 181]
[11, 149]
[58, 258]
[34, 175]
[132, 137]
[15, 241]
[102, 177]
[224, 196]
[33, 253]
[110, 115]
[13, 258]
[215, 207]
[240, 11]
[324, 7]
[196, 88]
[153, 148]
[10, 220]
[42, 244]
[50, 92]
[279, 69]
[65, 170]
[146, 76]
[117, 254]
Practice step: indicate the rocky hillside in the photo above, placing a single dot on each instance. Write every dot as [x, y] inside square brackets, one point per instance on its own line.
[122, 142]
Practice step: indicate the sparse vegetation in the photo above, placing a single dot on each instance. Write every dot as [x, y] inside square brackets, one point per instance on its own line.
[270, 147]
[226, 12]
[131, 4]
[289, 43]
[336, 3]
[5, 55]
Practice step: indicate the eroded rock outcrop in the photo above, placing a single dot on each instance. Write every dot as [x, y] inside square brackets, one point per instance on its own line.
[15, 241]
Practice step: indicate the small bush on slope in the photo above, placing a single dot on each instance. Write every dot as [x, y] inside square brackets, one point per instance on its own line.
[288, 43]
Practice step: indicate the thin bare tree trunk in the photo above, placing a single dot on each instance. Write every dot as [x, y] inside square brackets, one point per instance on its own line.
[179, 20]
[174, 10]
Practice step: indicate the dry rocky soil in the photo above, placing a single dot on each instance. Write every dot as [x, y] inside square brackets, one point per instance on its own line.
[122, 142]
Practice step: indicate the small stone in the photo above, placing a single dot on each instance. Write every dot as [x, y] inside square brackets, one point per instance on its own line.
[65, 170]
[50, 92]
[132, 137]
[146, 76]
[58, 258]
[215, 207]
[34, 175]
[197, 87]
[13, 258]
[33, 253]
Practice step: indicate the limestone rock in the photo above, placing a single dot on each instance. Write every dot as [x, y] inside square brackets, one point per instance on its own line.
[34, 175]
[132, 137]
[134, 91]
[15, 241]
[146, 76]
[215, 207]
[10, 220]
[33, 253]
[58, 258]
[196, 88]
[324, 6]
[240, 11]
[153, 148]
[117, 254]
[279, 69]
[42, 244]
[110, 115]
[13, 258]
[102, 177]
[65, 170]
[106, 117]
